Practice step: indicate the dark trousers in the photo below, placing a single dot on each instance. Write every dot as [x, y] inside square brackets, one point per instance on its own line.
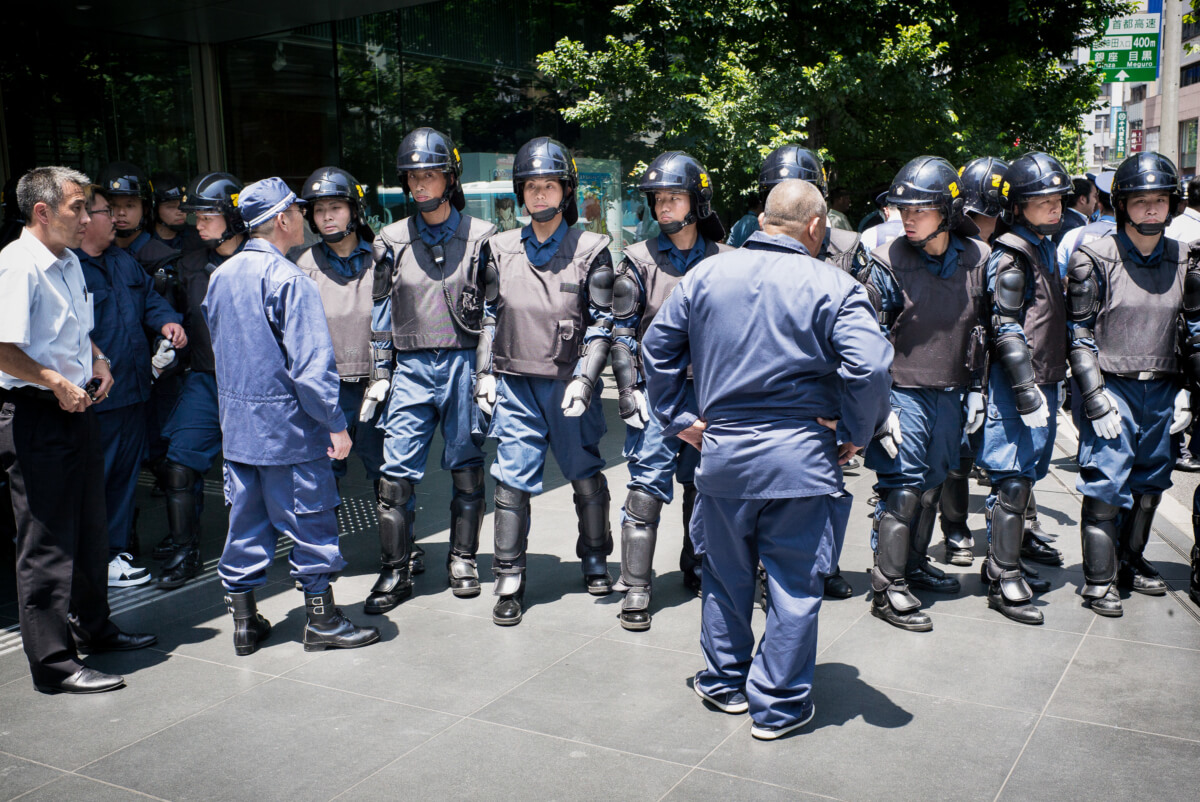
[55, 468]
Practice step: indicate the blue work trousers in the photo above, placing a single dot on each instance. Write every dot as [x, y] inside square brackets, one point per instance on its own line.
[368, 440]
[656, 461]
[931, 428]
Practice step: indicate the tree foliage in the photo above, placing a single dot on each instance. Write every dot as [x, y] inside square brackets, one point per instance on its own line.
[867, 83]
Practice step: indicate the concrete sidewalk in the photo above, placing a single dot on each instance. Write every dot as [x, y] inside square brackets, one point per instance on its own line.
[570, 706]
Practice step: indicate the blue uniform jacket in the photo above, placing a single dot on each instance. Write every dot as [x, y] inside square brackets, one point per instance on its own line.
[124, 301]
[277, 382]
[777, 339]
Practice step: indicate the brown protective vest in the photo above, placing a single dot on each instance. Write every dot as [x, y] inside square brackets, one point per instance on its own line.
[347, 303]
[931, 334]
[542, 312]
[658, 275]
[1045, 323]
[421, 318]
[1136, 327]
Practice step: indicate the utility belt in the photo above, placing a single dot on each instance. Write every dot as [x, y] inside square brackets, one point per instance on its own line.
[28, 391]
[1142, 375]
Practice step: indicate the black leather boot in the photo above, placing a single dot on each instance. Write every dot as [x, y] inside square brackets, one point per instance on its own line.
[953, 508]
[1136, 572]
[1008, 592]
[510, 606]
[512, 521]
[919, 572]
[179, 483]
[836, 586]
[1098, 529]
[891, 600]
[184, 565]
[639, 534]
[249, 628]
[329, 628]
[466, 519]
[595, 541]
[689, 563]
[394, 584]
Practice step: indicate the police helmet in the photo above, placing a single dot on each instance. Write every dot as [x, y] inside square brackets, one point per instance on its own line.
[430, 149]
[216, 193]
[335, 183]
[1145, 172]
[543, 157]
[124, 179]
[981, 181]
[168, 187]
[791, 161]
[929, 181]
[1034, 175]
[676, 171]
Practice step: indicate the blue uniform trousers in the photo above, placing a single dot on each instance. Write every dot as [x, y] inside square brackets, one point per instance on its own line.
[931, 427]
[656, 461]
[164, 395]
[194, 429]
[798, 541]
[123, 438]
[1009, 447]
[1140, 460]
[430, 388]
[368, 440]
[528, 420]
[266, 501]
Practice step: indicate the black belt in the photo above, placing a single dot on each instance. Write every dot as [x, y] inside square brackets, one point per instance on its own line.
[31, 392]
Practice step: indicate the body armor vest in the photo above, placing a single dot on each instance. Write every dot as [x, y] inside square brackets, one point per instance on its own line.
[347, 303]
[658, 275]
[839, 248]
[542, 312]
[931, 334]
[195, 267]
[1136, 327]
[1045, 323]
[160, 261]
[421, 318]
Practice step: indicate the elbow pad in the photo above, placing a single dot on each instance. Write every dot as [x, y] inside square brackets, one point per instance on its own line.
[1012, 352]
[1010, 288]
[1085, 369]
[1083, 290]
[593, 358]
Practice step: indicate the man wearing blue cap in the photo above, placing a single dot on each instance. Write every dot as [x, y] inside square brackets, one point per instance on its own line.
[277, 388]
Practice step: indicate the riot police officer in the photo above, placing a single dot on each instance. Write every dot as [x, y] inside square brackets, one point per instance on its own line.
[927, 287]
[548, 292]
[132, 204]
[679, 197]
[193, 431]
[1125, 294]
[424, 334]
[170, 221]
[1029, 360]
[342, 263]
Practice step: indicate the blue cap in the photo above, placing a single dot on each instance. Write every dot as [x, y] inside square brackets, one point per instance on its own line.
[263, 200]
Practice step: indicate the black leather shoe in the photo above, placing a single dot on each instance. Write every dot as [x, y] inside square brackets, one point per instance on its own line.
[118, 642]
[914, 621]
[1189, 464]
[184, 565]
[691, 581]
[463, 576]
[1032, 579]
[329, 628]
[509, 609]
[393, 586]
[165, 548]
[1138, 575]
[1021, 612]
[85, 680]
[1037, 551]
[836, 586]
[416, 560]
[927, 577]
[595, 574]
[1108, 605]
[635, 609]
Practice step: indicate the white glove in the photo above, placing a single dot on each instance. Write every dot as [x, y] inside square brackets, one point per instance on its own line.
[1109, 425]
[576, 398]
[1183, 412]
[485, 392]
[163, 357]
[375, 394]
[891, 438]
[975, 411]
[641, 412]
[1040, 417]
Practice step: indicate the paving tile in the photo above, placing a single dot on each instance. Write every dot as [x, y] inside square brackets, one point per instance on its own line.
[1062, 605]
[13, 664]
[477, 760]
[281, 740]
[1068, 760]
[72, 786]
[994, 663]
[619, 696]
[18, 776]
[1163, 620]
[703, 785]
[1132, 685]
[870, 744]
[442, 661]
[160, 691]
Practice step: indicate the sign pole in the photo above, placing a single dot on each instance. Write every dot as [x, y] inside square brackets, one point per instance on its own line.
[1172, 38]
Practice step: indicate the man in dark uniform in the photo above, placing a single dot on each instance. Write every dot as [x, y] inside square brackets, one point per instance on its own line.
[425, 331]
[548, 295]
[1125, 295]
[770, 484]
[193, 430]
[679, 196]
[928, 287]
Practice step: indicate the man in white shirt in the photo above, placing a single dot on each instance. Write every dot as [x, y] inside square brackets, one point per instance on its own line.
[1186, 227]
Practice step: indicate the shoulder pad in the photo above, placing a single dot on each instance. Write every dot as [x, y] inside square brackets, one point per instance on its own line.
[639, 256]
[506, 242]
[1011, 283]
[1082, 264]
[1083, 290]
[626, 293]
[591, 245]
[399, 232]
[1014, 242]
[600, 285]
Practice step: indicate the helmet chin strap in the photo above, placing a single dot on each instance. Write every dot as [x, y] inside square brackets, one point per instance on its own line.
[431, 205]
[921, 243]
[1150, 229]
[331, 239]
[676, 226]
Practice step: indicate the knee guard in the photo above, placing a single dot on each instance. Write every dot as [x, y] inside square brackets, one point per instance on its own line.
[922, 530]
[395, 520]
[466, 512]
[1136, 531]
[1099, 534]
[893, 532]
[512, 524]
[591, 505]
[1008, 523]
[179, 485]
[639, 534]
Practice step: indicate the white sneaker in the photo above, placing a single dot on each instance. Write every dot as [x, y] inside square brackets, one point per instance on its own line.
[123, 575]
[764, 733]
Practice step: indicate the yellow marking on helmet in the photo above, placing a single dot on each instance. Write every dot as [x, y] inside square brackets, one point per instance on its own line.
[996, 179]
[360, 189]
[234, 198]
[960, 170]
[456, 156]
[953, 189]
[574, 166]
[704, 180]
[1004, 189]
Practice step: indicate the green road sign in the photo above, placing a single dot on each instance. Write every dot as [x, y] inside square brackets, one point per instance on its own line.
[1129, 49]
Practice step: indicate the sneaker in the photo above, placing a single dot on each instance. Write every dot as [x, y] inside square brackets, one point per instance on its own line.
[123, 575]
[764, 733]
[726, 701]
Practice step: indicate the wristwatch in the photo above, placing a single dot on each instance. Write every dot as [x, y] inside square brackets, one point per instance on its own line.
[104, 359]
